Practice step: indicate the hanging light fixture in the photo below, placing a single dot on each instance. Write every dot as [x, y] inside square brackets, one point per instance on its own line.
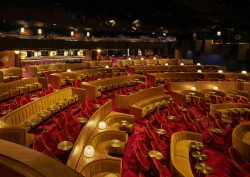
[218, 33]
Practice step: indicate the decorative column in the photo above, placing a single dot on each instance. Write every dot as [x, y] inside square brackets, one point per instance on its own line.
[178, 53]
[88, 55]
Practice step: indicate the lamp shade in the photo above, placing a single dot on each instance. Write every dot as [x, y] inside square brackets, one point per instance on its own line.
[193, 88]
[220, 71]
[166, 64]
[68, 70]
[102, 125]
[199, 71]
[181, 64]
[215, 88]
[198, 64]
[89, 151]
[106, 66]
[129, 58]
[243, 72]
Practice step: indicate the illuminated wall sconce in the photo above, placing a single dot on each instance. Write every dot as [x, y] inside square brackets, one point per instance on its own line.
[89, 151]
[215, 88]
[218, 33]
[68, 70]
[102, 125]
[65, 53]
[154, 58]
[39, 31]
[243, 72]
[88, 34]
[142, 58]
[52, 53]
[220, 71]
[166, 64]
[198, 64]
[193, 88]
[199, 71]
[182, 64]
[17, 52]
[129, 58]
[22, 30]
[35, 54]
[106, 66]
[99, 50]
[72, 33]
[80, 53]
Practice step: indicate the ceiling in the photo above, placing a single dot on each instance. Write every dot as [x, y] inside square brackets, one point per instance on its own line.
[158, 16]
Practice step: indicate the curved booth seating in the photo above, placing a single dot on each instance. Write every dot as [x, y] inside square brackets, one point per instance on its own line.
[8, 74]
[167, 68]
[100, 64]
[124, 101]
[228, 108]
[95, 88]
[38, 70]
[101, 141]
[185, 61]
[179, 90]
[122, 63]
[76, 66]
[21, 117]
[241, 139]
[103, 167]
[142, 108]
[179, 152]
[100, 163]
[20, 161]
[114, 121]
[202, 85]
[154, 78]
[14, 88]
[245, 86]
[58, 80]
[215, 76]
[238, 77]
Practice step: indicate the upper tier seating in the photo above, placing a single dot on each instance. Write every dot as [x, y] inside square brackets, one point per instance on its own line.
[145, 106]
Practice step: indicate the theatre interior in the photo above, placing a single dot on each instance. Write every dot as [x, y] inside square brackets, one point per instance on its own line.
[124, 88]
